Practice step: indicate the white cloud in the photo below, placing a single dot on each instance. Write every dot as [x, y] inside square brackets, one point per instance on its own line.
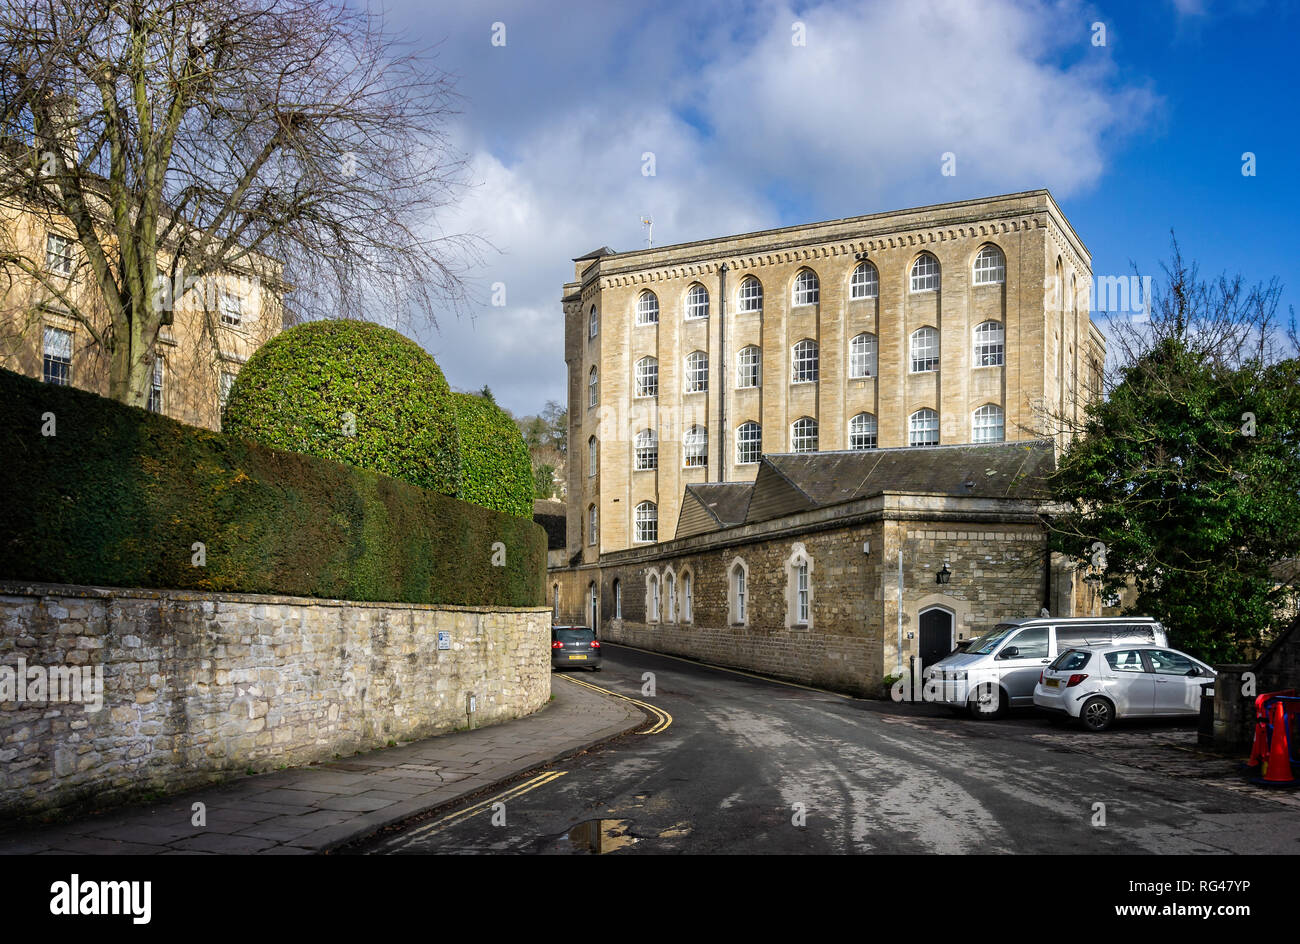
[854, 122]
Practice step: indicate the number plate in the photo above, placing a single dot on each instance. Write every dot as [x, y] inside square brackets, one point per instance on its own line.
[577, 658]
[1052, 683]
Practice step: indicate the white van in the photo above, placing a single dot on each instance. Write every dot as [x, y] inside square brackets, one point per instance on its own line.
[1000, 669]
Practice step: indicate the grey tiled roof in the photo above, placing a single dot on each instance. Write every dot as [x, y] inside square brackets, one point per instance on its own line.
[788, 483]
[725, 501]
[996, 470]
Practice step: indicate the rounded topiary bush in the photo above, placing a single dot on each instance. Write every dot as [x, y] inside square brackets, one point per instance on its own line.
[353, 392]
[496, 470]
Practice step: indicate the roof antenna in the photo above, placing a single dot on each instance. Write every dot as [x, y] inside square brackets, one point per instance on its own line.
[650, 231]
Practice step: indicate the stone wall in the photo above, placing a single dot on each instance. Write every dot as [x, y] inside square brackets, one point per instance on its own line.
[199, 686]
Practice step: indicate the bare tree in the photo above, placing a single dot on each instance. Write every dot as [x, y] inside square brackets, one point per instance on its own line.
[280, 139]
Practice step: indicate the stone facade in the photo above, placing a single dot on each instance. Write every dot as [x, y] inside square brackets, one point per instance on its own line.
[217, 323]
[200, 686]
[996, 553]
[1053, 354]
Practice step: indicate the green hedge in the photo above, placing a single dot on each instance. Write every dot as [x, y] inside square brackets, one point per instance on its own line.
[297, 391]
[118, 496]
[496, 470]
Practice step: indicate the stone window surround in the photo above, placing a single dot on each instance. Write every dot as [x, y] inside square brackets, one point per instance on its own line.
[651, 596]
[798, 555]
[669, 595]
[686, 609]
[737, 564]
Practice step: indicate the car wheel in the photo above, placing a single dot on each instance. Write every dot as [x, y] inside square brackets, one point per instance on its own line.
[982, 714]
[1097, 714]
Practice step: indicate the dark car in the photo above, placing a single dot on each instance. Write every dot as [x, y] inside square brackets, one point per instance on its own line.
[574, 647]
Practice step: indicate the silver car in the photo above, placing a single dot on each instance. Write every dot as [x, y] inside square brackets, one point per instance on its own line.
[1097, 685]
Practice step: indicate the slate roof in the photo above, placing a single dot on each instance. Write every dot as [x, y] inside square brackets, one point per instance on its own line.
[788, 483]
[995, 470]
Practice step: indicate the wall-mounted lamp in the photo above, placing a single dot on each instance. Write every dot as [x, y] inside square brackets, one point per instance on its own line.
[944, 575]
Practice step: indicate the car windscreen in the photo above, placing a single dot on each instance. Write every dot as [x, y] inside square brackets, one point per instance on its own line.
[574, 635]
[988, 642]
[1071, 660]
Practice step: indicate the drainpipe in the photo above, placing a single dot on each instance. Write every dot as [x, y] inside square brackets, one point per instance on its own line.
[722, 374]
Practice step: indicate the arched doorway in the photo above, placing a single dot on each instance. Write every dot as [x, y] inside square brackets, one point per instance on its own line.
[594, 606]
[936, 632]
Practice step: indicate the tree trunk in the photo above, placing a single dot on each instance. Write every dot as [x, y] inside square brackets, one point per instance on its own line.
[131, 363]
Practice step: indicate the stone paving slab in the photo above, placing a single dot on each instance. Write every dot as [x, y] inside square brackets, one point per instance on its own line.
[313, 809]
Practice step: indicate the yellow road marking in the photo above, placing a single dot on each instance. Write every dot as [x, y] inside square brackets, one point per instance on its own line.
[451, 819]
[662, 718]
[723, 668]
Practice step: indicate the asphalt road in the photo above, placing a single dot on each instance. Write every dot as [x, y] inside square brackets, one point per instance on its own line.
[749, 765]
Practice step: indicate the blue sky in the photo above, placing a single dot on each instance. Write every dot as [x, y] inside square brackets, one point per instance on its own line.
[1136, 137]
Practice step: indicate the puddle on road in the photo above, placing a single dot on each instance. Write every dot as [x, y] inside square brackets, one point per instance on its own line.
[599, 836]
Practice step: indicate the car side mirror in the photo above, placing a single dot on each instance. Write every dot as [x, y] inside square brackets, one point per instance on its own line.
[1193, 671]
[1010, 652]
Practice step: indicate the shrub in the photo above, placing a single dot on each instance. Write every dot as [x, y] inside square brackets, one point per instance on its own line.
[119, 496]
[353, 392]
[496, 470]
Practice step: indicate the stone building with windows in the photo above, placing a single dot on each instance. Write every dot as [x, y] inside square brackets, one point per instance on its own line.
[216, 323]
[959, 323]
[702, 374]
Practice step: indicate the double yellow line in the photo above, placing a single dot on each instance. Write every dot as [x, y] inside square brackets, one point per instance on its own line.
[452, 819]
[662, 719]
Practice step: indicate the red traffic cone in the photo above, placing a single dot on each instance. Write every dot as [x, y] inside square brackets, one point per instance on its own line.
[1277, 766]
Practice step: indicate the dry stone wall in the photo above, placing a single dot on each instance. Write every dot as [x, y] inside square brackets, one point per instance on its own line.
[199, 686]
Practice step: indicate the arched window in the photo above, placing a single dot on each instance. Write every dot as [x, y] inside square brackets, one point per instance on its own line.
[990, 339]
[697, 372]
[670, 597]
[747, 367]
[592, 323]
[807, 288]
[751, 294]
[618, 598]
[749, 443]
[923, 428]
[925, 350]
[803, 435]
[695, 448]
[862, 356]
[652, 598]
[738, 597]
[688, 594]
[647, 522]
[647, 450]
[990, 266]
[593, 387]
[799, 589]
[647, 308]
[805, 362]
[925, 273]
[647, 377]
[862, 432]
[591, 524]
[865, 282]
[697, 302]
[591, 457]
[988, 424]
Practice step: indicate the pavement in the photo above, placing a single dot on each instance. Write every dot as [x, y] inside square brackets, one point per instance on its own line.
[306, 810]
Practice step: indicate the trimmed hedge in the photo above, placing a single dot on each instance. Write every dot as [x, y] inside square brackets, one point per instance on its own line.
[118, 496]
[296, 390]
[496, 470]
